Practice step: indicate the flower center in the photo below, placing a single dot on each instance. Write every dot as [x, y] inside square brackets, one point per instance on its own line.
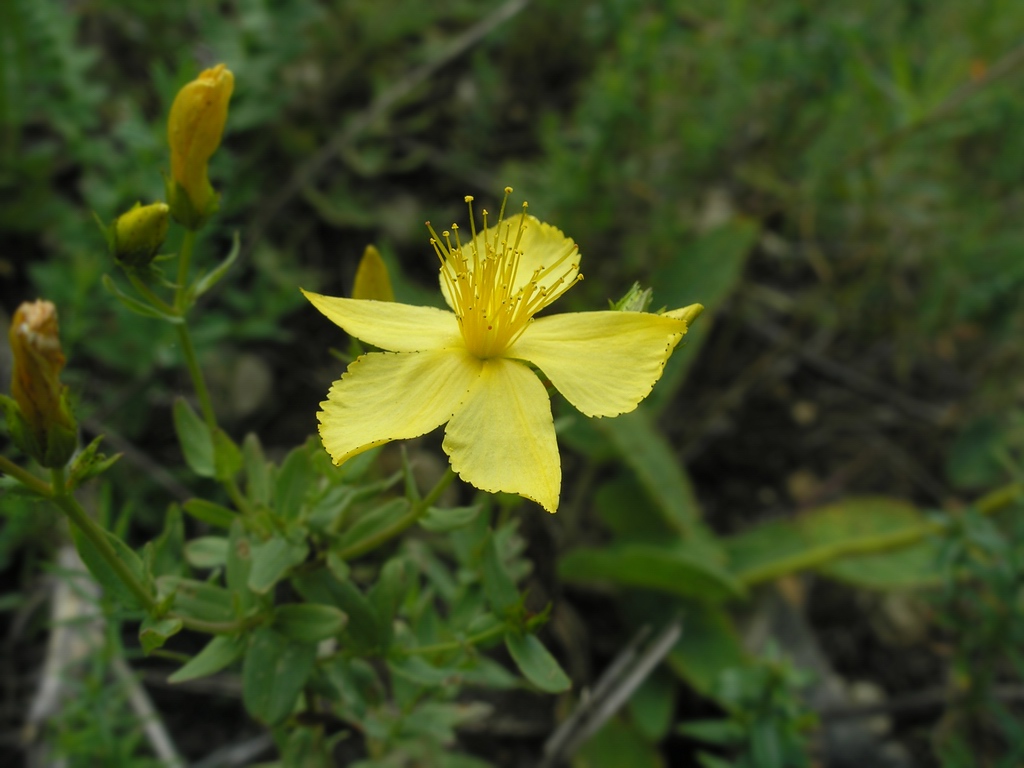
[491, 299]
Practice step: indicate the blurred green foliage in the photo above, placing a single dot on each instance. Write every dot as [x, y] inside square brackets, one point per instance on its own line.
[978, 609]
[843, 170]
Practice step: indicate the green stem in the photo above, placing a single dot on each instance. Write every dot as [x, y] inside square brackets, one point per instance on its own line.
[219, 627]
[999, 499]
[184, 262]
[455, 645]
[989, 504]
[188, 350]
[415, 512]
[192, 362]
[25, 477]
[98, 538]
[185, 338]
[148, 294]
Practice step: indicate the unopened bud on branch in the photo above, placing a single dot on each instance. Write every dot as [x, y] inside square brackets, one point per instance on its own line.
[39, 418]
[194, 130]
[139, 233]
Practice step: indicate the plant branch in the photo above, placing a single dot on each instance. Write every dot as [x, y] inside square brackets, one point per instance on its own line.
[25, 477]
[989, 504]
[416, 511]
[147, 292]
[98, 538]
[455, 645]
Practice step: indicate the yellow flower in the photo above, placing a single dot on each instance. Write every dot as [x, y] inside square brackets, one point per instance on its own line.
[194, 130]
[470, 367]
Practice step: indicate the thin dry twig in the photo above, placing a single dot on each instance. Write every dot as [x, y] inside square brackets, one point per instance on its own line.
[77, 635]
[242, 753]
[629, 669]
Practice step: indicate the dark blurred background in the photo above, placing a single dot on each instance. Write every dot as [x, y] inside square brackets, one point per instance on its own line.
[838, 183]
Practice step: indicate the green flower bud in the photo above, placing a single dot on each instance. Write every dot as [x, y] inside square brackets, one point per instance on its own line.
[637, 299]
[139, 233]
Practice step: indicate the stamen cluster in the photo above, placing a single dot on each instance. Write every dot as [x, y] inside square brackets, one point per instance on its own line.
[492, 302]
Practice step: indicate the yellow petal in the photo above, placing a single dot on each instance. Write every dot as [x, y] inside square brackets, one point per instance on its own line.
[502, 438]
[604, 363]
[540, 244]
[390, 325]
[388, 396]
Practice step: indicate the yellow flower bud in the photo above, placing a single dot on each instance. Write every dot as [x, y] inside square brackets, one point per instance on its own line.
[139, 233]
[372, 280]
[194, 130]
[42, 425]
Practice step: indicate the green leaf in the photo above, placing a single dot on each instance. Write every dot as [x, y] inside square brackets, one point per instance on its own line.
[498, 584]
[338, 567]
[210, 513]
[207, 552]
[436, 720]
[271, 560]
[134, 305]
[214, 276]
[419, 671]
[293, 482]
[918, 566]
[387, 594]
[617, 745]
[442, 520]
[198, 599]
[707, 273]
[629, 514]
[306, 747]
[239, 561]
[725, 733]
[707, 647]
[166, 551]
[153, 633]
[765, 747]
[536, 664]
[373, 523]
[650, 456]
[221, 651]
[226, 456]
[707, 760]
[273, 674]
[854, 526]
[652, 705]
[102, 571]
[308, 622]
[364, 625]
[257, 470]
[651, 567]
[194, 437]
